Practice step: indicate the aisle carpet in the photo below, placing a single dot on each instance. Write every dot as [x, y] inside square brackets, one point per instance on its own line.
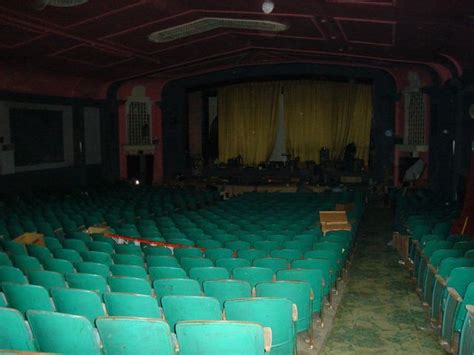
[380, 312]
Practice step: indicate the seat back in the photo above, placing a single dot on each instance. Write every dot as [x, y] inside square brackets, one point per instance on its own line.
[89, 267]
[187, 253]
[97, 257]
[130, 285]
[12, 274]
[67, 254]
[279, 314]
[231, 263]
[298, 292]
[224, 290]
[142, 336]
[58, 265]
[276, 264]
[189, 263]
[202, 274]
[63, 333]
[218, 253]
[129, 249]
[47, 279]
[14, 332]
[131, 305]
[166, 272]
[128, 259]
[100, 246]
[27, 263]
[441, 254]
[267, 245]
[79, 302]
[313, 276]
[288, 254]
[5, 260]
[253, 275]
[157, 251]
[39, 252]
[86, 281]
[162, 260]
[182, 308]
[25, 297]
[448, 264]
[177, 287]
[129, 271]
[217, 337]
[252, 254]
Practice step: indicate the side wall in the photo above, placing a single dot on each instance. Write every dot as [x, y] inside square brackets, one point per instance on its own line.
[86, 129]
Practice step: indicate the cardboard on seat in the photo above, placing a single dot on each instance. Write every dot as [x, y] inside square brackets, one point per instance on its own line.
[30, 238]
[334, 221]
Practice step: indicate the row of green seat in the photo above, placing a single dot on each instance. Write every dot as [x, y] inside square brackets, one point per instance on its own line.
[182, 300]
[128, 335]
[443, 267]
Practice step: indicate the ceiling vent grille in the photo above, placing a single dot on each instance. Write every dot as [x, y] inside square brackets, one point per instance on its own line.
[63, 3]
[212, 23]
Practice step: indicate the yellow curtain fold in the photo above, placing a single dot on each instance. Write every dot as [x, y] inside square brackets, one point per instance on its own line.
[327, 114]
[248, 121]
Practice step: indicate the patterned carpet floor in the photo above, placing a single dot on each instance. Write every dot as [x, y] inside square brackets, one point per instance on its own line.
[380, 312]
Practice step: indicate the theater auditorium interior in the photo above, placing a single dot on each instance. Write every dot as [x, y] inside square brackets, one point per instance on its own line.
[237, 177]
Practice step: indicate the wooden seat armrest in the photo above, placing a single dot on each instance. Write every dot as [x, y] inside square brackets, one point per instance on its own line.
[440, 279]
[470, 309]
[454, 294]
[294, 312]
[267, 335]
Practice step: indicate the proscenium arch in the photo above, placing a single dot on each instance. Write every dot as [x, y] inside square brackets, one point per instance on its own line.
[174, 105]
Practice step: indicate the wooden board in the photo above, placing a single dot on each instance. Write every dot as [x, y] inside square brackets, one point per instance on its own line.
[97, 230]
[30, 238]
[333, 217]
[335, 227]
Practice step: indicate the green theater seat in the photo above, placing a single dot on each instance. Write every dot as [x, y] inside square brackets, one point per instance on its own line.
[72, 334]
[129, 285]
[79, 302]
[86, 281]
[166, 272]
[27, 297]
[14, 332]
[58, 265]
[279, 314]
[182, 308]
[176, 287]
[217, 337]
[224, 290]
[89, 267]
[205, 273]
[143, 336]
[47, 279]
[131, 305]
[253, 275]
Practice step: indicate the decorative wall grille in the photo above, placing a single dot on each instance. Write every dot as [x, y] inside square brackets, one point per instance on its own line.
[138, 123]
[415, 118]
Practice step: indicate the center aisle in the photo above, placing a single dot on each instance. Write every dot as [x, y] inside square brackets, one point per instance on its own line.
[380, 311]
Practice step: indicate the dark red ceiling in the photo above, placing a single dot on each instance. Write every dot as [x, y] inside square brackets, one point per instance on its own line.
[107, 39]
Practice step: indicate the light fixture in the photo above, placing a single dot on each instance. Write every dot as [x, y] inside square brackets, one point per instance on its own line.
[41, 4]
[206, 24]
[267, 6]
[137, 182]
[66, 3]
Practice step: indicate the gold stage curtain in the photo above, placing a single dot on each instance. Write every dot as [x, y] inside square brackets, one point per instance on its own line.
[248, 121]
[327, 114]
